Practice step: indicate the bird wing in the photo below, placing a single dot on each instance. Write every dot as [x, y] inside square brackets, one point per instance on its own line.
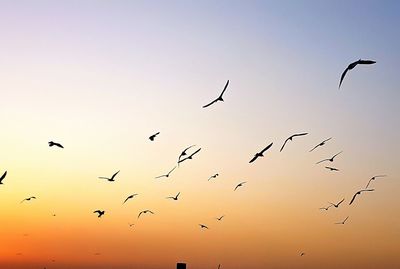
[210, 103]
[366, 62]
[140, 214]
[114, 175]
[104, 178]
[284, 144]
[59, 145]
[322, 161]
[3, 176]
[171, 170]
[97, 211]
[336, 154]
[315, 147]
[129, 197]
[194, 153]
[342, 77]
[300, 134]
[254, 158]
[161, 176]
[266, 148]
[369, 182]
[326, 140]
[226, 86]
[341, 202]
[177, 194]
[354, 197]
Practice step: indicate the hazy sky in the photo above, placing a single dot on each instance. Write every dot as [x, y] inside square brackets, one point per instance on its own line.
[101, 76]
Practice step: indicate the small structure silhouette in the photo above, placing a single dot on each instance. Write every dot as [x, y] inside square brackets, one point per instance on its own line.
[181, 265]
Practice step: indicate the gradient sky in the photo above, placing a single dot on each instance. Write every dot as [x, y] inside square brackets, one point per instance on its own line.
[101, 76]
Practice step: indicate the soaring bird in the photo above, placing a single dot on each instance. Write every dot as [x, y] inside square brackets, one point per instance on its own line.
[260, 154]
[219, 97]
[110, 179]
[291, 139]
[357, 193]
[331, 168]
[337, 205]
[51, 143]
[213, 176]
[99, 212]
[152, 137]
[325, 208]
[129, 197]
[330, 159]
[167, 175]
[351, 66]
[28, 199]
[174, 197]
[202, 226]
[342, 221]
[183, 153]
[3, 177]
[239, 185]
[190, 156]
[220, 218]
[321, 144]
[145, 211]
[372, 178]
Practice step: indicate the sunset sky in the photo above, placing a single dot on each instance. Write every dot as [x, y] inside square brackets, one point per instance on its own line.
[100, 77]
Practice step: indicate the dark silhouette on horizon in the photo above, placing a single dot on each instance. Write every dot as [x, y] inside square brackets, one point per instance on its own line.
[261, 153]
[145, 212]
[174, 197]
[352, 65]
[129, 197]
[337, 205]
[239, 185]
[343, 222]
[320, 144]
[112, 178]
[152, 137]
[99, 212]
[357, 193]
[219, 97]
[28, 199]
[330, 159]
[51, 144]
[167, 175]
[373, 178]
[291, 139]
[3, 177]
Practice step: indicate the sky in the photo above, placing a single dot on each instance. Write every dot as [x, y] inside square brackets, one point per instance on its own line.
[100, 77]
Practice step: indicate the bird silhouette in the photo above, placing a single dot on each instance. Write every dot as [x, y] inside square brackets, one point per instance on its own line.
[260, 154]
[325, 208]
[302, 254]
[183, 153]
[202, 226]
[330, 159]
[220, 218]
[337, 205]
[219, 97]
[129, 197]
[167, 175]
[112, 178]
[51, 144]
[28, 199]
[331, 168]
[174, 197]
[99, 212]
[145, 212]
[213, 176]
[320, 144]
[372, 178]
[131, 224]
[190, 156]
[342, 221]
[3, 177]
[357, 193]
[351, 66]
[291, 139]
[239, 185]
[152, 137]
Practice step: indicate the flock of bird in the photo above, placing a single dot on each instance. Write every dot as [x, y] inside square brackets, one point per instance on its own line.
[186, 155]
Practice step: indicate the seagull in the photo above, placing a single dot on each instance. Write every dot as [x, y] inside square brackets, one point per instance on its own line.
[343, 221]
[51, 143]
[110, 179]
[351, 66]
[321, 144]
[372, 178]
[325, 208]
[167, 175]
[28, 199]
[213, 176]
[183, 153]
[337, 205]
[219, 97]
[260, 154]
[331, 168]
[203, 226]
[174, 198]
[330, 159]
[100, 212]
[220, 218]
[153, 136]
[3, 177]
[145, 211]
[239, 185]
[291, 139]
[190, 156]
[129, 197]
[359, 192]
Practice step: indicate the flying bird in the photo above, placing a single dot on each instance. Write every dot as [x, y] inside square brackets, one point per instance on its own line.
[325, 208]
[190, 156]
[3, 177]
[28, 199]
[330, 159]
[337, 205]
[99, 212]
[110, 179]
[145, 212]
[343, 221]
[152, 137]
[320, 144]
[174, 197]
[129, 197]
[220, 218]
[302, 254]
[219, 97]
[183, 153]
[351, 66]
[239, 185]
[357, 193]
[167, 175]
[291, 139]
[131, 224]
[202, 226]
[260, 154]
[372, 178]
[331, 168]
[51, 143]
[213, 176]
